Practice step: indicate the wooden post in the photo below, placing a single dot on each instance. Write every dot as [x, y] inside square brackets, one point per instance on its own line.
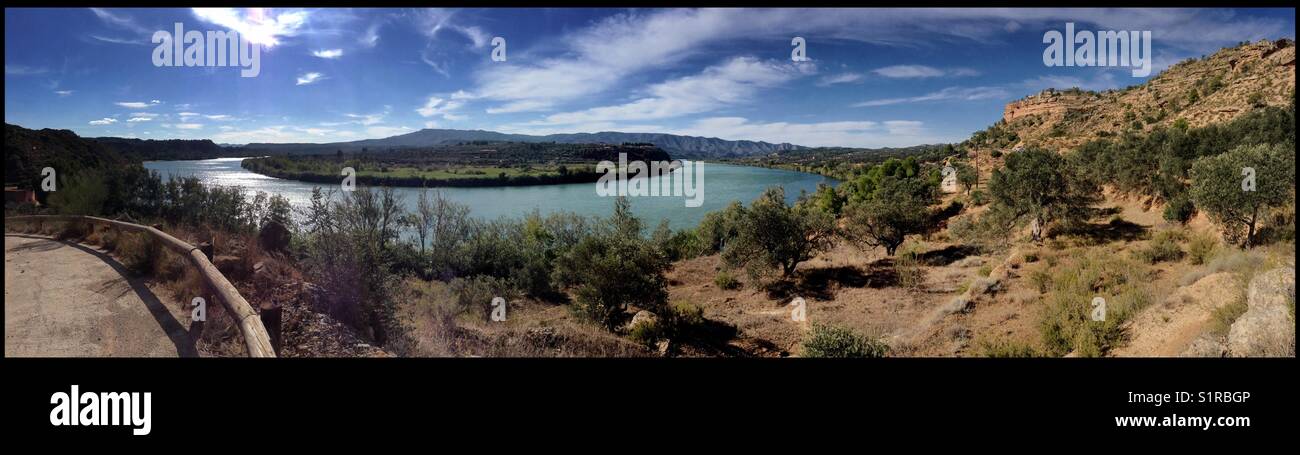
[270, 315]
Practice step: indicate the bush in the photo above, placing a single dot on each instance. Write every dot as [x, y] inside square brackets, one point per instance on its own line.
[646, 333]
[1202, 248]
[837, 342]
[908, 271]
[1005, 348]
[1179, 209]
[725, 280]
[613, 268]
[1066, 323]
[474, 295]
[1162, 247]
[683, 319]
[138, 250]
[1223, 317]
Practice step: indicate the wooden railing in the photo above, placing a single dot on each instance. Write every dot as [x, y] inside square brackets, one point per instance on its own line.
[250, 325]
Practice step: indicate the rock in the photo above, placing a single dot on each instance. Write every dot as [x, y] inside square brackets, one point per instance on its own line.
[1205, 346]
[643, 317]
[983, 286]
[1267, 329]
[273, 237]
[664, 347]
[959, 304]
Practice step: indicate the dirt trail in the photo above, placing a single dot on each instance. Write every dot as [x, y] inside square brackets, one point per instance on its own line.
[64, 299]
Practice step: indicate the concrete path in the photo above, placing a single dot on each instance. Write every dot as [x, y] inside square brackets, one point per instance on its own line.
[64, 299]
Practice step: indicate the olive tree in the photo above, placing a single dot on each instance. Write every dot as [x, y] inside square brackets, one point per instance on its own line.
[1042, 187]
[775, 235]
[898, 208]
[1236, 188]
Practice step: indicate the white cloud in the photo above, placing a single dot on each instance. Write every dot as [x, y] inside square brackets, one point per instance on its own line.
[138, 119]
[119, 20]
[841, 78]
[436, 106]
[328, 53]
[137, 104]
[908, 71]
[104, 121]
[63, 92]
[309, 78]
[434, 20]
[892, 133]
[731, 82]
[115, 40]
[947, 94]
[258, 25]
[22, 70]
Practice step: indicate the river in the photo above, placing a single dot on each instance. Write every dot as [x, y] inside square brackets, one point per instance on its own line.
[723, 183]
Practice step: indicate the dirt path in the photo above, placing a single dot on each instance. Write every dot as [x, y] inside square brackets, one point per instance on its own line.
[64, 299]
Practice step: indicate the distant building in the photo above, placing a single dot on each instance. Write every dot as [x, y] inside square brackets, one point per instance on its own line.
[16, 196]
[949, 184]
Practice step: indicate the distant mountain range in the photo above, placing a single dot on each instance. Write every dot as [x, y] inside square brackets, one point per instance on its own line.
[678, 146]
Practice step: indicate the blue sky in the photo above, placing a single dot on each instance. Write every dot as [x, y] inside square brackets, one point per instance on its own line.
[892, 77]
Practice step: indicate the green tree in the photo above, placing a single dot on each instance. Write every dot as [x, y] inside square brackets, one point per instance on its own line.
[1042, 187]
[966, 176]
[898, 208]
[1220, 186]
[613, 268]
[774, 235]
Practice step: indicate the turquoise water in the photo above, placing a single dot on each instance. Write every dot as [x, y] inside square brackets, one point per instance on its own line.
[722, 184]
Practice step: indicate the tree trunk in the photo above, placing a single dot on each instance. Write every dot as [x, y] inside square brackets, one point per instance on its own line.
[1250, 230]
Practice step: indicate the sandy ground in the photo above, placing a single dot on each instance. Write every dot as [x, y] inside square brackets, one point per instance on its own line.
[64, 299]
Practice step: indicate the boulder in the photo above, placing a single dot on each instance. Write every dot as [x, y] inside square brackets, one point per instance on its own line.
[643, 317]
[959, 304]
[1267, 328]
[273, 237]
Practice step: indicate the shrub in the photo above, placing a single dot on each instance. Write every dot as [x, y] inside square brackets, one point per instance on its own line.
[1179, 209]
[683, 319]
[1066, 323]
[985, 270]
[645, 333]
[474, 295]
[138, 250]
[613, 268]
[1162, 247]
[1041, 279]
[1223, 317]
[725, 280]
[908, 271]
[837, 342]
[1202, 248]
[1005, 348]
